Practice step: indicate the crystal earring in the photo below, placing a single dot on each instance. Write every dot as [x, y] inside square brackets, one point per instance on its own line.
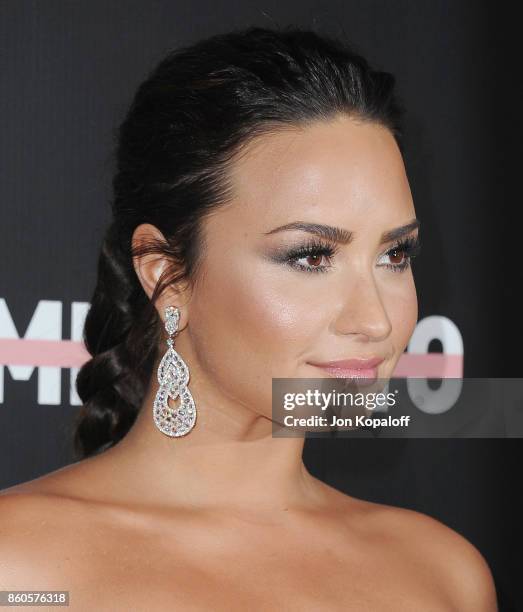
[173, 376]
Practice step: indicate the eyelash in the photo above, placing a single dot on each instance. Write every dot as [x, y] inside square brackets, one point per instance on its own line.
[410, 246]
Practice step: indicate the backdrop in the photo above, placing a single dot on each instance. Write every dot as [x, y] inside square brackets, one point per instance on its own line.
[69, 70]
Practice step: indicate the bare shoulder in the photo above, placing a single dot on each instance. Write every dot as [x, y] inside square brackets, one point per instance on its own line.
[40, 530]
[27, 508]
[454, 561]
[426, 548]
[28, 534]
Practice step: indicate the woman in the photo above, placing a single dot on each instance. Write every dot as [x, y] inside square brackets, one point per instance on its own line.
[263, 225]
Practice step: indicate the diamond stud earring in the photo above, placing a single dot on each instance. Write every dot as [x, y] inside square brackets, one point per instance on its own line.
[173, 377]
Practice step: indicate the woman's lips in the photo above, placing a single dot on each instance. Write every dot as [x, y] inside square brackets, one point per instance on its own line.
[364, 370]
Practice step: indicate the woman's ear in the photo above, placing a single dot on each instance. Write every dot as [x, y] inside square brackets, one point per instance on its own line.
[148, 267]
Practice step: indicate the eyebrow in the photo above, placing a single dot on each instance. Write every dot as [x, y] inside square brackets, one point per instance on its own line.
[343, 236]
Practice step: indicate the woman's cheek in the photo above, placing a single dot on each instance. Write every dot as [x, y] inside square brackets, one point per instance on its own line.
[257, 316]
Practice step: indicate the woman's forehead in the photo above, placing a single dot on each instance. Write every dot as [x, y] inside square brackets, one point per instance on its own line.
[327, 167]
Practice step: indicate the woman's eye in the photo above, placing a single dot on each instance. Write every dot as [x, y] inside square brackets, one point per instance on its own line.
[397, 256]
[398, 259]
[312, 259]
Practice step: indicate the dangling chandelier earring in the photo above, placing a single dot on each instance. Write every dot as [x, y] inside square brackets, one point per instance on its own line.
[173, 376]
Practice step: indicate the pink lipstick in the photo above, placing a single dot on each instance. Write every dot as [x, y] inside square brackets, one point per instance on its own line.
[364, 370]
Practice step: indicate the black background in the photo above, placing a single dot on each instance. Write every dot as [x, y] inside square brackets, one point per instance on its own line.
[69, 70]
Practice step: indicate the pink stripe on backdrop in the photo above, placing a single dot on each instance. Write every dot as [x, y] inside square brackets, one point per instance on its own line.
[429, 365]
[61, 353]
[69, 354]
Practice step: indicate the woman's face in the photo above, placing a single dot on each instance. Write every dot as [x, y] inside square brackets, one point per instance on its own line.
[260, 310]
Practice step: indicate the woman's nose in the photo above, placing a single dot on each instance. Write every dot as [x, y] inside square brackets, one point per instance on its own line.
[363, 311]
